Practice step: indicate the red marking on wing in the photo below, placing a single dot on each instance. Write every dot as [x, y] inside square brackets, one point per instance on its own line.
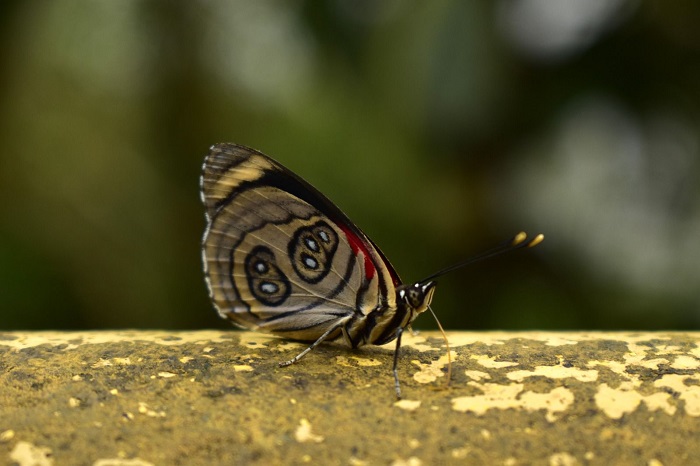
[358, 245]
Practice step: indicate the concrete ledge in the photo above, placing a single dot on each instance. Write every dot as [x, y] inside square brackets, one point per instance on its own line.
[166, 398]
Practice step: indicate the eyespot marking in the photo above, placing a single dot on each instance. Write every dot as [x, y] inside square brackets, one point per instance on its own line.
[266, 282]
[311, 244]
[269, 287]
[261, 267]
[309, 262]
[311, 251]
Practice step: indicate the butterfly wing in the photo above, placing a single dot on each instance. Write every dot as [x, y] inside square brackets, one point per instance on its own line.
[278, 255]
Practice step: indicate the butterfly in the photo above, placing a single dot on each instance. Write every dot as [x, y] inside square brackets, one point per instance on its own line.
[280, 257]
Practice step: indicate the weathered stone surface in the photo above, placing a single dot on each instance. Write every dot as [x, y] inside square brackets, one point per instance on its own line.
[135, 398]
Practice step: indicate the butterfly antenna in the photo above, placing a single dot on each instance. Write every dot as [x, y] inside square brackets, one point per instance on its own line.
[447, 345]
[519, 241]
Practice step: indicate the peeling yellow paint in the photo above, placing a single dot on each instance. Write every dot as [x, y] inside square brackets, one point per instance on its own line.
[101, 363]
[548, 338]
[668, 349]
[408, 405]
[242, 368]
[555, 372]
[689, 394]
[616, 402]
[144, 409]
[557, 340]
[7, 435]
[254, 340]
[28, 454]
[353, 461]
[286, 346]
[685, 362]
[562, 459]
[625, 399]
[647, 363]
[303, 433]
[122, 462]
[71, 340]
[660, 401]
[496, 396]
[554, 402]
[673, 381]
[490, 361]
[477, 375]
[343, 361]
[368, 362]
[486, 338]
[412, 461]
[413, 340]
[499, 338]
[430, 372]
[111, 362]
[617, 367]
[359, 361]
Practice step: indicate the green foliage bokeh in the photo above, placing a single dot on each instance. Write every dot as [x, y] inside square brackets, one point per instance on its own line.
[440, 128]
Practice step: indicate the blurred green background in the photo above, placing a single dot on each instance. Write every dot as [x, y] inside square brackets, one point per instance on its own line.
[440, 128]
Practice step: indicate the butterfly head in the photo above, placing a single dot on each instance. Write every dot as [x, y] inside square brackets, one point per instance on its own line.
[416, 297]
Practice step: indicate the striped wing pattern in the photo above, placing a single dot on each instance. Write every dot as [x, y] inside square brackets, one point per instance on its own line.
[280, 257]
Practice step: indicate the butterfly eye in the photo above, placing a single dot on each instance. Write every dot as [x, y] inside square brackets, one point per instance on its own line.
[414, 297]
[266, 281]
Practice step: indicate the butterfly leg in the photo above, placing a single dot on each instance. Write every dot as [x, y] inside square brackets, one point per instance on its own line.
[320, 340]
[399, 332]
